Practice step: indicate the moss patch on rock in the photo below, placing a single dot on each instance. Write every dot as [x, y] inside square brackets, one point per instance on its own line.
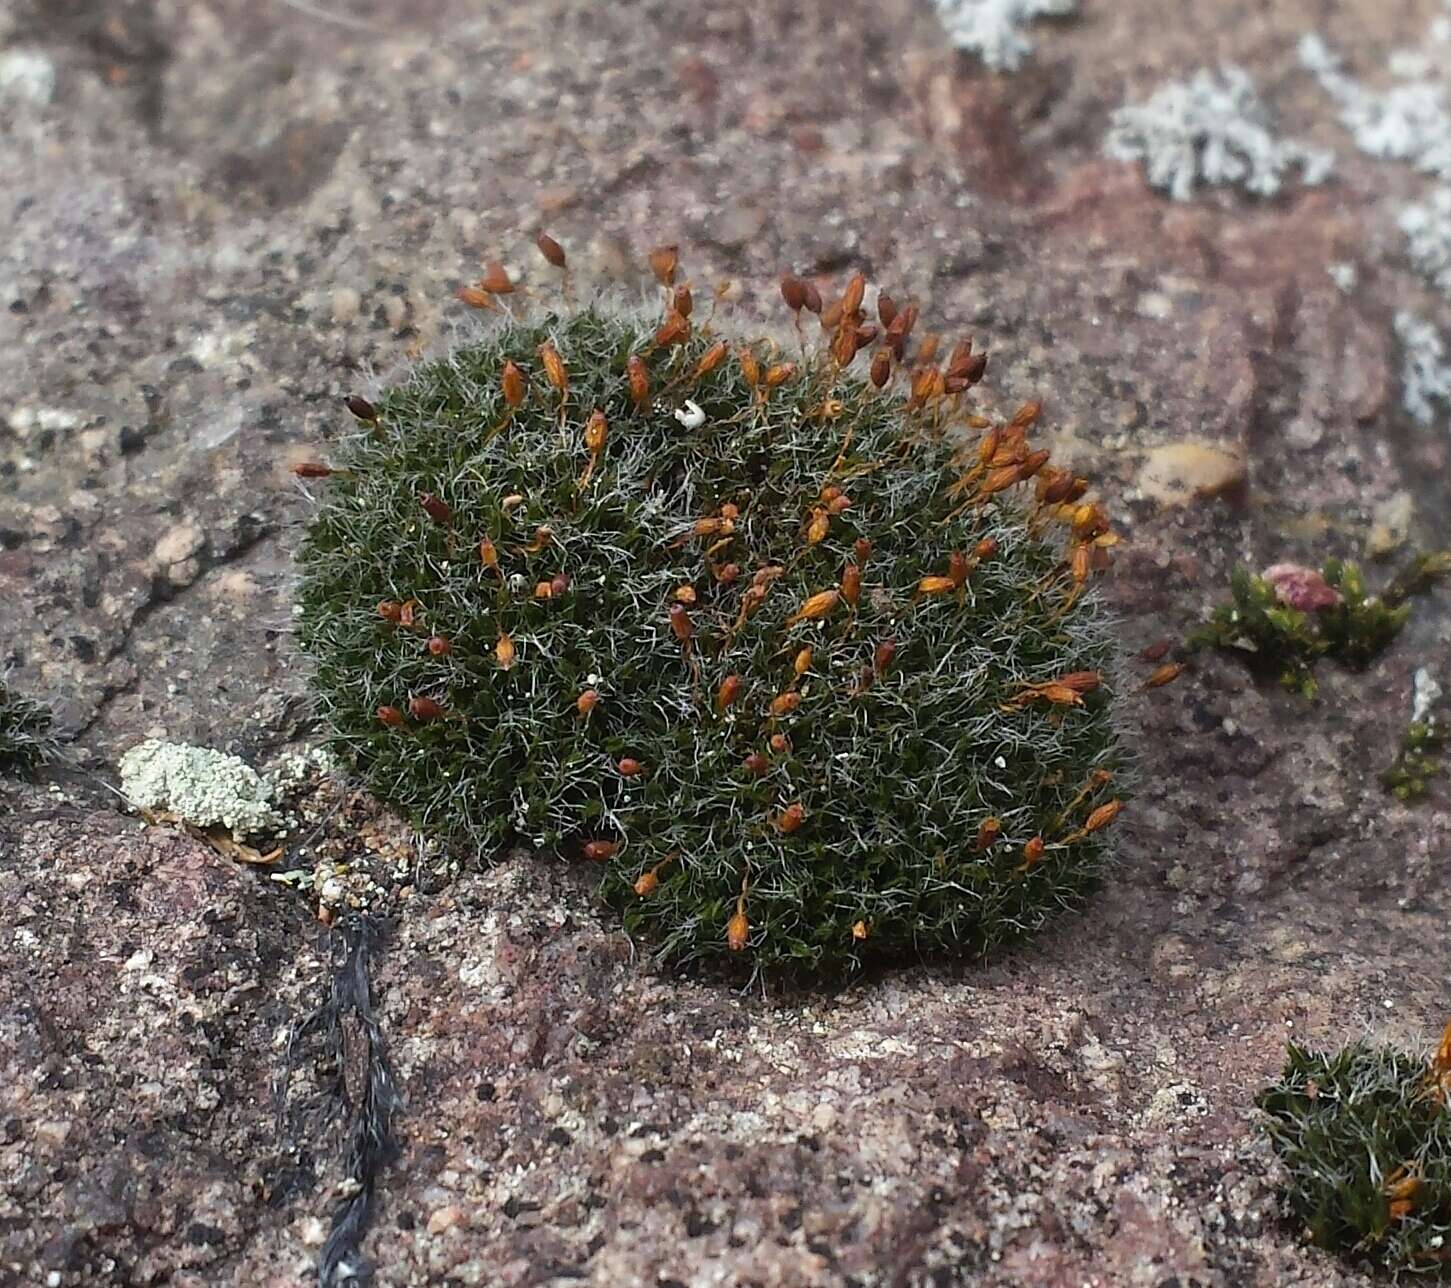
[1365, 1139]
[792, 660]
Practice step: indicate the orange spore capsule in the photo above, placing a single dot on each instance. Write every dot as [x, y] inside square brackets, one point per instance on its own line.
[680, 622]
[408, 612]
[436, 510]
[504, 652]
[935, 585]
[1165, 674]
[988, 833]
[426, 709]
[1103, 816]
[391, 716]
[818, 527]
[738, 928]
[881, 369]
[802, 662]
[851, 584]
[851, 300]
[639, 380]
[587, 701]
[475, 298]
[511, 381]
[488, 554]
[711, 358]
[729, 691]
[1027, 413]
[793, 291]
[664, 261]
[1032, 853]
[862, 549]
[312, 470]
[596, 430]
[779, 374]
[815, 608]
[757, 764]
[886, 309]
[859, 930]
[361, 408]
[599, 851]
[439, 646]
[986, 548]
[780, 743]
[674, 330]
[750, 368]
[646, 882]
[883, 656]
[790, 819]
[958, 568]
[552, 251]
[543, 590]
[553, 366]
[683, 302]
[728, 574]
[495, 280]
[629, 767]
[813, 297]
[684, 594]
[783, 704]
[390, 611]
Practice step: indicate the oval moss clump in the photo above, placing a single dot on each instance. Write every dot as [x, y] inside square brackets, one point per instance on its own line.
[805, 665]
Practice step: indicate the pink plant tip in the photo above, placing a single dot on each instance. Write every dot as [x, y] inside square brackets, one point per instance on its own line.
[1300, 587]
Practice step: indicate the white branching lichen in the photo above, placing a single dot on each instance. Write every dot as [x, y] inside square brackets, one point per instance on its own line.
[1410, 121]
[1210, 130]
[209, 788]
[1427, 226]
[1426, 693]
[1425, 370]
[993, 29]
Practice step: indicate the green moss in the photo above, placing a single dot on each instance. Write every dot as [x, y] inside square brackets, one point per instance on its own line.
[1277, 639]
[1365, 1140]
[1418, 761]
[25, 738]
[894, 772]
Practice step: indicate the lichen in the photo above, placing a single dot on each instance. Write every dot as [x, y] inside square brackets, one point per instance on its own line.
[209, 788]
[1427, 226]
[993, 29]
[1210, 130]
[1410, 121]
[1425, 368]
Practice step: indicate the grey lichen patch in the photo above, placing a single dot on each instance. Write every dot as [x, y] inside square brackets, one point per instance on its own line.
[207, 788]
[1427, 226]
[993, 29]
[1211, 130]
[1425, 367]
[1409, 121]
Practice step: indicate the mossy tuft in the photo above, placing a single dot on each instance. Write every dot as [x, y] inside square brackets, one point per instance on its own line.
[1283, 621]
[1365, 1139]
[779, 648]
[26, 742]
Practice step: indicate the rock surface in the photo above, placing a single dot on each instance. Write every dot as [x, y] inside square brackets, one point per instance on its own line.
[222, 216]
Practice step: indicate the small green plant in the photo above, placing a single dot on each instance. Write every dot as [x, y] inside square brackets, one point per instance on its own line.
[1365, 1139]
[1289, 617]
[26, 742]
[1419, 760]
[785, 650]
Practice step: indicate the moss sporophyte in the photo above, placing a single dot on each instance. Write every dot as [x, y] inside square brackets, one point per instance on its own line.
[806, 661]
[1364, 1137]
